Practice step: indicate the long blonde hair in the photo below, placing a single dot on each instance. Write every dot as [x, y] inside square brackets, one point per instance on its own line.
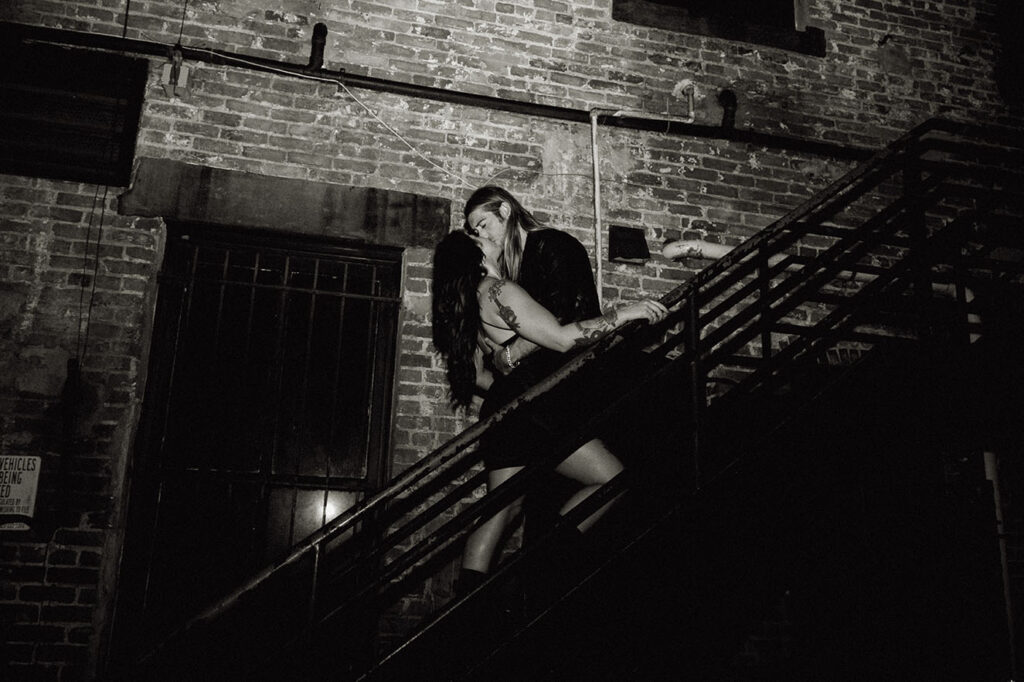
[490, 198]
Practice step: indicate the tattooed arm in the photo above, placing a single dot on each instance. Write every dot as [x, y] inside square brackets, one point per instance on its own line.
[556, 271]
[504, 302]
[592, 330]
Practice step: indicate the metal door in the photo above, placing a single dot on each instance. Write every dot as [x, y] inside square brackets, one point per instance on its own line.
[267, 410]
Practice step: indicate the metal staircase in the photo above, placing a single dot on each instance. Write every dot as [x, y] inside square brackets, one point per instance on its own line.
[903, 254]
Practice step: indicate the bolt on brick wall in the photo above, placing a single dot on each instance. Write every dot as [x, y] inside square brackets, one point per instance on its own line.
[888, 66]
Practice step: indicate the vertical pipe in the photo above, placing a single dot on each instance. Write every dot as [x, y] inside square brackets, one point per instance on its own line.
[316, 49]
[595, 157]
[598, 269]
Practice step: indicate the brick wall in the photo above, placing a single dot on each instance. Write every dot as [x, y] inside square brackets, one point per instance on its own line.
[76, 277]
[888, 66]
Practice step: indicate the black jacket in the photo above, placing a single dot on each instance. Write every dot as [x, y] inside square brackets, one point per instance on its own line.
[556, 272]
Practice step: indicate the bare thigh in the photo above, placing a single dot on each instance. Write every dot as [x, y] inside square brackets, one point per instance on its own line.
[496, 477]
[591, 464]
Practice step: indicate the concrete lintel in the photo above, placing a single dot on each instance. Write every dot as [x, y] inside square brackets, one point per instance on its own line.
[175, 190]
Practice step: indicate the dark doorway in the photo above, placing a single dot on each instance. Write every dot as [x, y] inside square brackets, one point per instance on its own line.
[267, 412]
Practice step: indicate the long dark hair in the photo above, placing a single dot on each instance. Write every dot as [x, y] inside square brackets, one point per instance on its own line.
[490, 197]
[455, 320]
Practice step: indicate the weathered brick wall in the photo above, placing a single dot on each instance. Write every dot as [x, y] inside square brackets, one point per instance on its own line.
[75, 282]
[888, 67]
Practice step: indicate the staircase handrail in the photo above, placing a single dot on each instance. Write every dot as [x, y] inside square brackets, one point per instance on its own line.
[456, 449]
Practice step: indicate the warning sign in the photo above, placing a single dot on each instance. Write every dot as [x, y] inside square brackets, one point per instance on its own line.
[19, 481]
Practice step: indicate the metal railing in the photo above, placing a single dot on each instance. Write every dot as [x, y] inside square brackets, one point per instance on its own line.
[905, 222]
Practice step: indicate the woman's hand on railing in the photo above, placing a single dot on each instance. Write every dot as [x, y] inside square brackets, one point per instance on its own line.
[647, 309]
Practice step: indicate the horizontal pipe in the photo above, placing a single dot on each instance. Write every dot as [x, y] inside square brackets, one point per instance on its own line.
[644, 122]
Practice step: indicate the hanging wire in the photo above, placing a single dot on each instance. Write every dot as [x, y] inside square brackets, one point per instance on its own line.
[400, 137]
[181, 29]
[348, 92]
[95, 272]
[79, 351]
[127, 9]
[385, 124]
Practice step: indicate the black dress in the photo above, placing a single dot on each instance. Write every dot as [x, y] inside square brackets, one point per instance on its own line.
[556, 272]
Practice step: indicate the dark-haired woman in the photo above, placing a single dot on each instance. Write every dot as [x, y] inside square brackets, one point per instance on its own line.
[473, 302]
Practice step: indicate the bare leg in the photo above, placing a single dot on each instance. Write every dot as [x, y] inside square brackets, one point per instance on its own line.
[593, 465]
[481, 543]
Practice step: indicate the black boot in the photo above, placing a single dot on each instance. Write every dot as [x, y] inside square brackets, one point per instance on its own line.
[468, 580]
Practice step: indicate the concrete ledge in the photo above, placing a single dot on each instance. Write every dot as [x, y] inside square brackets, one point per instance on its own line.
[179, 191]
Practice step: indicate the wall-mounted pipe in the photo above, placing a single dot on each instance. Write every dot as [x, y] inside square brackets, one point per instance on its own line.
[691, 114]
[316, 50]
[595, 158]
[622, 118]
[626, 119]
[727, 98]
[595, 114]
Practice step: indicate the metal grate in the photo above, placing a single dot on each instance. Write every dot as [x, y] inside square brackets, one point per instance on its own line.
[268, 407]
